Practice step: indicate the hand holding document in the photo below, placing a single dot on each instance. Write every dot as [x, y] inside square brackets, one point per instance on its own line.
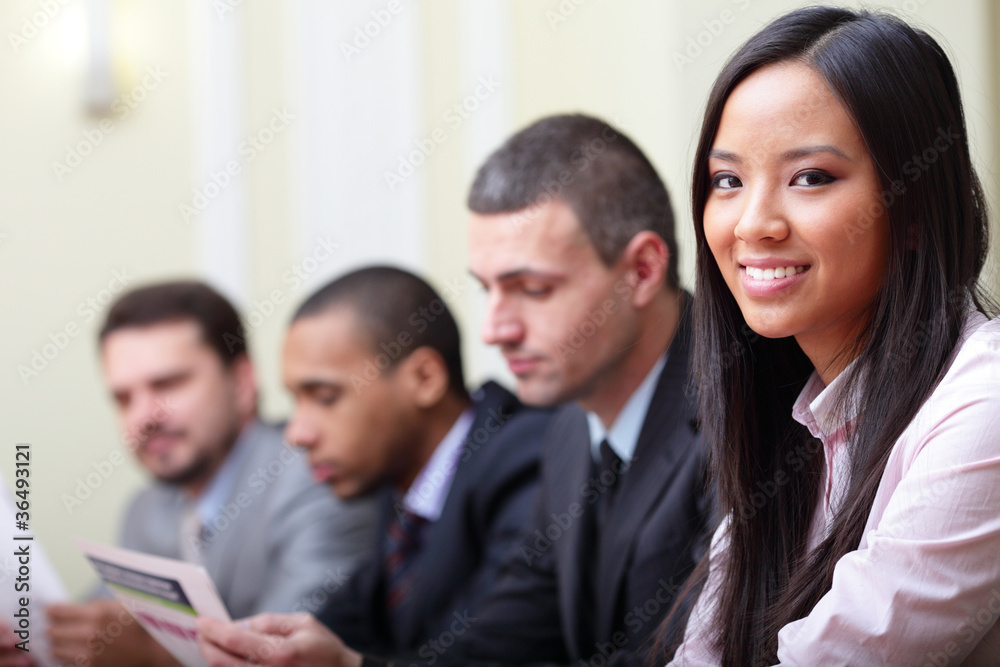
[274, 640]
[165, 596]
[28, 583]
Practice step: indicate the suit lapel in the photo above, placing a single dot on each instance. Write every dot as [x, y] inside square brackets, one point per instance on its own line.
[224, 547]
[663, 431]
[373, 588]
[574, 474]
[433, 582]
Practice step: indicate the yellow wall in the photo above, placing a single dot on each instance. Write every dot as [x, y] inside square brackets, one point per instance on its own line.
[65, 240]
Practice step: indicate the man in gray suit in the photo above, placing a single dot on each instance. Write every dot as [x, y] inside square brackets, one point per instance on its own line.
[229, 493]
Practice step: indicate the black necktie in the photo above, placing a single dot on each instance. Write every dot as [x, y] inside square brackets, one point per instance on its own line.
[403, 542]
[611, 469]
[609, 472]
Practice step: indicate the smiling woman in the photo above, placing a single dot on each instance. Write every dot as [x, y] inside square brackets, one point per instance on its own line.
[845, 277]
[789, 174]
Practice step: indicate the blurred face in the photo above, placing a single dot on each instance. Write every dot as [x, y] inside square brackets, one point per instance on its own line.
[355, 421]
[180, 407]
[561, 318]
[793, 215]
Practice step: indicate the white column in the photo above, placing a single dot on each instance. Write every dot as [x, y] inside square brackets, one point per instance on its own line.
[218, 131]
[358, 72]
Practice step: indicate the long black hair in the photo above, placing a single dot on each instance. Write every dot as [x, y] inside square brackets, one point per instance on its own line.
[898, 86]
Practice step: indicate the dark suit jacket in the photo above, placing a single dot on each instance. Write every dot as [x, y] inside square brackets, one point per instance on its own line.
[490, 500]
[548, 608]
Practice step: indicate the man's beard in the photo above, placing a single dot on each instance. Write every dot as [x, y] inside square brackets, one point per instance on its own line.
[203, 465]
[195, 471]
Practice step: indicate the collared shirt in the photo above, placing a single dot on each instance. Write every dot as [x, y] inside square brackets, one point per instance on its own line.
[428, 492]
[820, 410]
[220, 487]
[623, 436]
[923, 586]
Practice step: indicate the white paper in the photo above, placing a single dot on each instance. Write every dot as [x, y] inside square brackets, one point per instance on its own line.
[166, 596]
[42, 588]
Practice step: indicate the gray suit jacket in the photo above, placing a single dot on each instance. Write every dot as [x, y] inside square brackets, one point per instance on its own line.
[281, 542]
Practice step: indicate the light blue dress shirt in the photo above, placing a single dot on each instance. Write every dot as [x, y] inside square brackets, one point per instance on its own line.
[623, 436]
[428, 492]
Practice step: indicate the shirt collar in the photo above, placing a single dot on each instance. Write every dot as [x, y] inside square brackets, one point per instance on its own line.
[623, 436]
[220, 487]
[821, 408]
[428, 492]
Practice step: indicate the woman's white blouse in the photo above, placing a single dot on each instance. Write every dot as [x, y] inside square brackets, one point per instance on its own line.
[923, 586]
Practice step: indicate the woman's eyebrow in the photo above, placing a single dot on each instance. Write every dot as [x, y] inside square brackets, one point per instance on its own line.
[804, 151]
[726, 156]
[787, 156]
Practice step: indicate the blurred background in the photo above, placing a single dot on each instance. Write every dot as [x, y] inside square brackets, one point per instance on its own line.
[268, 146]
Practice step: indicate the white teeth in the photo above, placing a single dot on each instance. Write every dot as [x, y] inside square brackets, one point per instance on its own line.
[771, 274]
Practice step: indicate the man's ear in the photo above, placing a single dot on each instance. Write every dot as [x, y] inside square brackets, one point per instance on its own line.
[425, 375]
[646, 259]
[245, 383]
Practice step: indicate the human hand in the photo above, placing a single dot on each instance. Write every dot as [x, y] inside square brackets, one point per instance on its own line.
[10, 655]
[104, 633]
[276, 640]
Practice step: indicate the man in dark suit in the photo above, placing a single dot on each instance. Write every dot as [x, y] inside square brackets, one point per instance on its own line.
[373, 362]
[571, 235]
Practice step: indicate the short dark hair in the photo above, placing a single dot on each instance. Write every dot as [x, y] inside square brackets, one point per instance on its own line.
[599, 172]
[390, 302]
[178, 301]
